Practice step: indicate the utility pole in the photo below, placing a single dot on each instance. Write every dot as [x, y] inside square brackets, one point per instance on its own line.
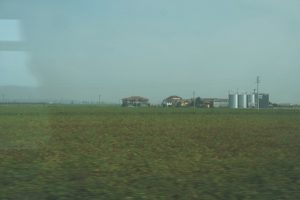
[99, 99]
[257, 87]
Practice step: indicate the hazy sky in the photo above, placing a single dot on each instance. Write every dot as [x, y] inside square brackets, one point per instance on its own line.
[153, 48]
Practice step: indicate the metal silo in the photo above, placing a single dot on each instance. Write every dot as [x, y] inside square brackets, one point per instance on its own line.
[251, 100]
[233, 100]
[242, 100]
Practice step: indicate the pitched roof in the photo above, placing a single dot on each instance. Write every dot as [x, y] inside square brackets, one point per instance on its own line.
[173, 97]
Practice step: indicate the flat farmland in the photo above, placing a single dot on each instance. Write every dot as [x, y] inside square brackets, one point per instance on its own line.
[94, 152]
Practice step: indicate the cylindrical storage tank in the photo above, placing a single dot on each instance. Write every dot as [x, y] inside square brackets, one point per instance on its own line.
[242, 100]
[251, 100]
[233, 100]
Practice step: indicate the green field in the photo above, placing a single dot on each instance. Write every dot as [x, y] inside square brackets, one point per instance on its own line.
[92, 152]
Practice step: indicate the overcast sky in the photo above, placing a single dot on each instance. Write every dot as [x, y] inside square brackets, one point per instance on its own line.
[152, 48]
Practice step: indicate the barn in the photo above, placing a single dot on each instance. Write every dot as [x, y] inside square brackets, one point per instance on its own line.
[172, 101]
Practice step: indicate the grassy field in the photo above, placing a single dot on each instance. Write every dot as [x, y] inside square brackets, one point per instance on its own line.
[90, 152]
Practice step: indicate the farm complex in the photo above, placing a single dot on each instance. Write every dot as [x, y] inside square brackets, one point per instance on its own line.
[234, 101]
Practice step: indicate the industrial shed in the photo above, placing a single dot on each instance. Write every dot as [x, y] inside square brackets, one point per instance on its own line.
[135, 101]
[214, 103]
[220, 103]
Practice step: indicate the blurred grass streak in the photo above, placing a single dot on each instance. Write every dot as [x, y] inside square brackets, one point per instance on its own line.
[91, 152]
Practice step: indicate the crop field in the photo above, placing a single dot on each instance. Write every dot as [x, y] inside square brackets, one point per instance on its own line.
[94, 152]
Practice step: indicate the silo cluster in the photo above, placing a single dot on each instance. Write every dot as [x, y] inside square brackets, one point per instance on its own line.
[242, 100]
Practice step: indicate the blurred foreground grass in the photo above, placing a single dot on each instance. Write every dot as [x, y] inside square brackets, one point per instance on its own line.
[90, 152]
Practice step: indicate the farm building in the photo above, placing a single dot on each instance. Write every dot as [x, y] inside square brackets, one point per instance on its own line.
[135, 101]
[176, 101]
[207, 102]
[220, 103]
[214, 103]
[172, 101]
